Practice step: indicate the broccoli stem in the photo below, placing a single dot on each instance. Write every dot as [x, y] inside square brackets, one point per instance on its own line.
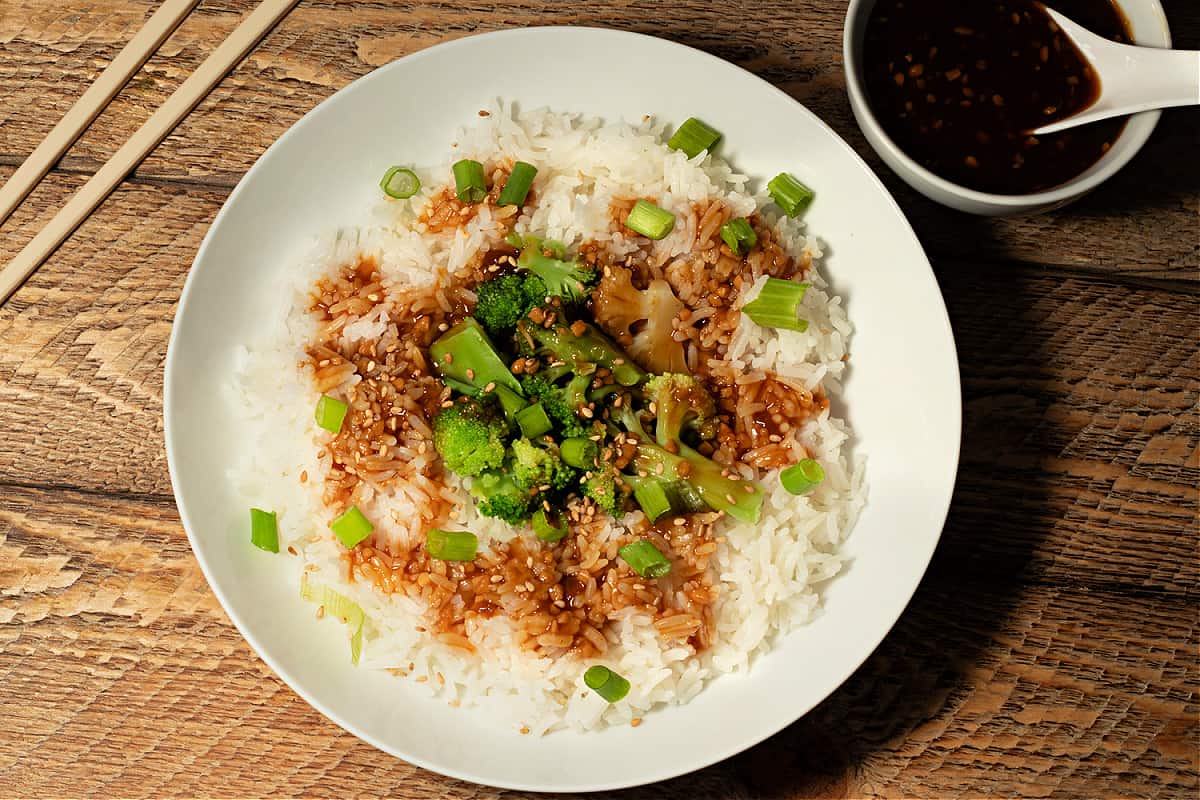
[690, 471]
[585, 352]
[464, 356]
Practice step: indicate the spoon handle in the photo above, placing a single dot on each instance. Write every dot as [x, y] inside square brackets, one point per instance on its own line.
[1132, 78]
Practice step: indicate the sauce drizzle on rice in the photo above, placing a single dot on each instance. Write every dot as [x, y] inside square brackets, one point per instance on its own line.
[563, 598]
[516, 629]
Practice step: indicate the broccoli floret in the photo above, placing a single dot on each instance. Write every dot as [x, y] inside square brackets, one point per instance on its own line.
[501, 302]
[500, 497]
[605, 490]
[561, 403]
[569, 280]
[641, 319]
[583, 353]
[534, 467]
[470, 437]
[680, 401]
[688, 475]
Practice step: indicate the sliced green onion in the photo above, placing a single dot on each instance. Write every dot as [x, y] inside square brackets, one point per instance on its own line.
[331, 413]
[645, 559]
[451, 545]
[694, 137]
[579, 452]
[264, 530]
[606, 683]
[653, 499]
[516, 188]
[649, 220]
[400, 183]
[802, 477]
[469, 183]
[533, 421]
[351, 527]
[778, 305]
[789, 194]
[340, 606]
[544, 529]
[738, 234]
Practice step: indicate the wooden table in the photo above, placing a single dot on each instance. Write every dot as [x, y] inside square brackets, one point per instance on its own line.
[1051, 649]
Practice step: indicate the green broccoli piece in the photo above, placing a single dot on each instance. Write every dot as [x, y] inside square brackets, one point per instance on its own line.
[681, 402]
[534, 289]
[604, 488]
[534, 467]
[561, 403]
[546, 259]
[470, 437]
[467, 360]
[500, 497]
[688, 476]
[582, 353]
[501, 302]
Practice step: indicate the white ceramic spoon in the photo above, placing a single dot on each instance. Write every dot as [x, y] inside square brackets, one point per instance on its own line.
[1132, 78]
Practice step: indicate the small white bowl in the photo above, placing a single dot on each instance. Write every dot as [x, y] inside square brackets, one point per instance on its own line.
[1148, 26]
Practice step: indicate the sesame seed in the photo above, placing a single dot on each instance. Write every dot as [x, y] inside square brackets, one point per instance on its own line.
[636, 721]
[448, 357]
[731, 499]
[490, 387]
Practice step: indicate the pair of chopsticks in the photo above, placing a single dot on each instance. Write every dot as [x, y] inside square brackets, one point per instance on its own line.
[195, 88]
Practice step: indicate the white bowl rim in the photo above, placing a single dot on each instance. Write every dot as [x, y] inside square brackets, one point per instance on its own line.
[1137, 131]
[682, 767]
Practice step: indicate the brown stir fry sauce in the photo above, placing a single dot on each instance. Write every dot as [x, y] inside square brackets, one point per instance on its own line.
[562, 598]
[959, 85]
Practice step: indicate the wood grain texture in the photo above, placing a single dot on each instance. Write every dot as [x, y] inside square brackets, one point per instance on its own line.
[1052, 649]
[988, 688]
[1150, 208]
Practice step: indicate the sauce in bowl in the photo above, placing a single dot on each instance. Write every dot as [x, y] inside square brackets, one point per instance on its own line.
[959, 85]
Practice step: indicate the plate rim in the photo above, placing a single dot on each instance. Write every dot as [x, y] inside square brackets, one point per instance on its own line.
[681, 766]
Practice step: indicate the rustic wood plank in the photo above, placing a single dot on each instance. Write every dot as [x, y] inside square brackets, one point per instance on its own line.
[83, 344]
[1143, 223]
[1081, 428]
[125, 678]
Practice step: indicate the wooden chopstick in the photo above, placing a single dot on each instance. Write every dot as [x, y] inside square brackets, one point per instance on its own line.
[147, 137]
[162, 23]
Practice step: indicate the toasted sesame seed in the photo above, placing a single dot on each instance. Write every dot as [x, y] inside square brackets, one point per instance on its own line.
[636, 721]
[731, 498]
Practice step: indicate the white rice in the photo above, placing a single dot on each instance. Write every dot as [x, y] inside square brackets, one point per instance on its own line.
[770, 573]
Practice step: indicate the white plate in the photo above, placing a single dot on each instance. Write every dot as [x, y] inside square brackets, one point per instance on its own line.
[902, 394]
